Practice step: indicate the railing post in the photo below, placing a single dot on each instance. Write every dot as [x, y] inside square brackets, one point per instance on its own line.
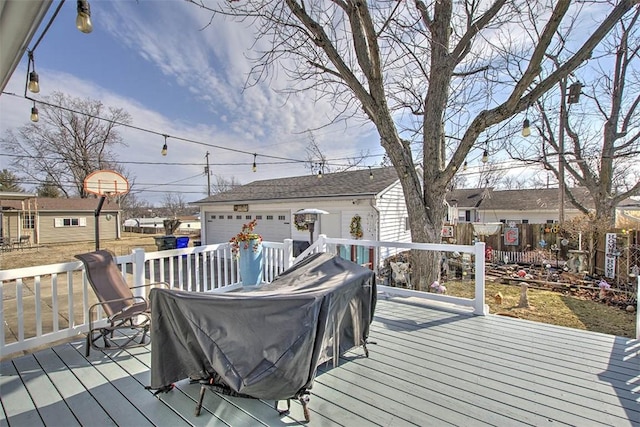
[638, 310]
[479, 305]
[322, 243]
[287, 254]
[138, 273]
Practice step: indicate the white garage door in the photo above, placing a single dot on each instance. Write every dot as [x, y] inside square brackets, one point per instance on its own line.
[272, 226]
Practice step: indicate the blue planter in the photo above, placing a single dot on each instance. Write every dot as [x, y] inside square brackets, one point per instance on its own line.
[250, 263]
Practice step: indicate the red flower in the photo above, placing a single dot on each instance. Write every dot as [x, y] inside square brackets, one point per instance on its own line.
[245, 237]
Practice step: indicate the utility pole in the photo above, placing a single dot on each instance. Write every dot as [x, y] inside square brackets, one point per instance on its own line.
[206, 170]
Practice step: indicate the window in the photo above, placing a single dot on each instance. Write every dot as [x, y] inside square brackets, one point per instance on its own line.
[258, 216]
[525, 221]
[29, 221]
[280, 218]
[247, 217]
[238, 216]
[550, 221]
[70, 222]
[220, 216]
[229, 216]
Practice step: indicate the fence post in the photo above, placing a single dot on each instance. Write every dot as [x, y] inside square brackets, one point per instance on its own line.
[138, 273]
[479, 305]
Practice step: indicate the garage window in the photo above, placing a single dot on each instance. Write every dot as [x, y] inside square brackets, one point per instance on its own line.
[258, 216]
[238, 216]
[229, 216]
[247, 217]
[281, 218]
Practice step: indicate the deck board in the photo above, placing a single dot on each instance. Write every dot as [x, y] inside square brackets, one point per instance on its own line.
[428, 366]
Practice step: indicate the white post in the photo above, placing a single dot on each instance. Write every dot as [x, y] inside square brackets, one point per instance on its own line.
[638, 311]
[479, 306]
[287, 254]
[138, 273]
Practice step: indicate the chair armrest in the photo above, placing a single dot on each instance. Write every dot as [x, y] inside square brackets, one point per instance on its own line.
[93, 306]
[165, 284]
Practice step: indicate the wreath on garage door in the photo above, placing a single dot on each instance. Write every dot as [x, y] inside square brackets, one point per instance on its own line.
[298, 221]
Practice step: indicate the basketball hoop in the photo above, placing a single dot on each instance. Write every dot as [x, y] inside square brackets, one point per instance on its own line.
[107, 184]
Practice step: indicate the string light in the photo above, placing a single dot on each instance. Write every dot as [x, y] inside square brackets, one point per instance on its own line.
[465, 166]
[34, 113]
[83, 20]
[370, 174]
[526, 128]
[164, 147]
[485, 156]
[34, 79]
[254, 167]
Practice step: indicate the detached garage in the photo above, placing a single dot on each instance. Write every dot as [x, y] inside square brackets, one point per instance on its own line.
[220, 226]
[369, 200]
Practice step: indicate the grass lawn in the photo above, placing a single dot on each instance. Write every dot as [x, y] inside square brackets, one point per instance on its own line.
[552, 307]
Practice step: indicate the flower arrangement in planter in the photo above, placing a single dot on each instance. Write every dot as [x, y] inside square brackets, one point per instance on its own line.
[246, 237]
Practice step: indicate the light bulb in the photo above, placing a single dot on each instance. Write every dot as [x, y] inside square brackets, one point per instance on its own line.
[34, 85]
[526, 128]
[319, 174]
[485, 157]
[34, 114]
[254, 167]
[464, 167]
[83, 20]
[164, 149]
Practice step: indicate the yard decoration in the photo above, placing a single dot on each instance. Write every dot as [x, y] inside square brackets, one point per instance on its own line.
[247, 247]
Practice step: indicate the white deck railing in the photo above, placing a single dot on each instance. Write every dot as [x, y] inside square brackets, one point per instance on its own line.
[40, 305]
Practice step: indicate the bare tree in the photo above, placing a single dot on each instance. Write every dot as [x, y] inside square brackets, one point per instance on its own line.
[432, 77]
[174, 205]
[72, 139]
[601, 118]
[318, 161]
[222, 184]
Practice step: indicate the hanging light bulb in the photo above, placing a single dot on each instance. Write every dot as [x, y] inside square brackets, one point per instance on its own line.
[83, 20]
[464, 167]
[320, 174]
[34, 82]
[34, 113]
[485, 156]
[164, 147]
[526, 128]
[254, 167]
[370, 174]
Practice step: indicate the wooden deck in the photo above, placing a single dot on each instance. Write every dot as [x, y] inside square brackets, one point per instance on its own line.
[428, 367]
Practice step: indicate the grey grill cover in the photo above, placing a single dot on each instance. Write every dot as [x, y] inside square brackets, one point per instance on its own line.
[265, 343]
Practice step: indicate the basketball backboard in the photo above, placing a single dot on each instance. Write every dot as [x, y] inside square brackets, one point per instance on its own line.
[106, 183]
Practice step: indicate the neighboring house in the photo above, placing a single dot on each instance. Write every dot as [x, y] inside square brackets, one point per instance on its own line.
[527, 206]
[56, 220]
[189, 224]
[374, 196]
[155, 223]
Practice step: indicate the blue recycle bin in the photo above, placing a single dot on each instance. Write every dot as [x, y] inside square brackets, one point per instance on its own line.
[182, 242]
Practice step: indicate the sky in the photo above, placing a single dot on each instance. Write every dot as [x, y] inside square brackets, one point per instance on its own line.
[160, 62]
